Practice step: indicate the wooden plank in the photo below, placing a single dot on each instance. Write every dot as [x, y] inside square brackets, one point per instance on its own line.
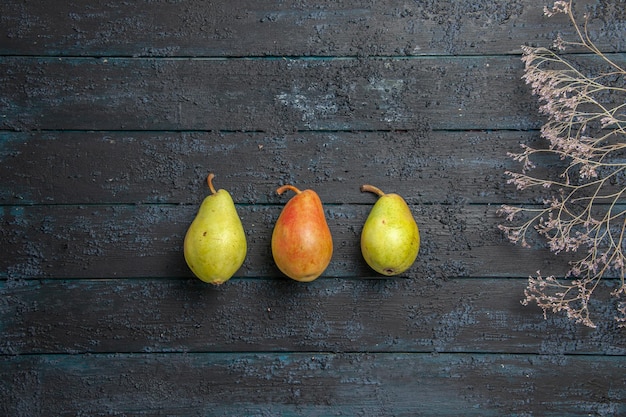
[290, 28]
[423, 314]
[313, 384]
[171, 167]
[146, 241]
[269, 95]
[99, 314]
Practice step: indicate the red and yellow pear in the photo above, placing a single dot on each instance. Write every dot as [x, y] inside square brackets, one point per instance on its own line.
[302, 245]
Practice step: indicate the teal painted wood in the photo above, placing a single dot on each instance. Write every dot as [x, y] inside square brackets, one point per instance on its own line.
[312, 384]
[420, 315]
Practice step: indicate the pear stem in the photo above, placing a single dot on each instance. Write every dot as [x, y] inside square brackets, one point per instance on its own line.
[372, 189]
[284, 188]
[209, 181]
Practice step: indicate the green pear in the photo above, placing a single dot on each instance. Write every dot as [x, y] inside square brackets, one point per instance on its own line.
[390, 239]
[215, 244]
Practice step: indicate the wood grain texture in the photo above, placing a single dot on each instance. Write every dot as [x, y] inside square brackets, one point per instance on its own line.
[270, 95]
[312, 384]
[423, 315]
[293, 28]
[171, 167]
[125, 241]
[113, 113]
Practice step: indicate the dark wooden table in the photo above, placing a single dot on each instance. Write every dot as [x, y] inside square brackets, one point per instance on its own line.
[113, 113]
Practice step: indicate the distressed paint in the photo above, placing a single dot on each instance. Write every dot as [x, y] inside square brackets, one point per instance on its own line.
[292, 28]
[383, 315]
[263, 94]
[111, 116]
[171, 167]
[145, 240]
[314, 384]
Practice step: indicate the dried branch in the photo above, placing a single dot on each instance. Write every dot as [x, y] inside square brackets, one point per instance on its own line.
[584, 210]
